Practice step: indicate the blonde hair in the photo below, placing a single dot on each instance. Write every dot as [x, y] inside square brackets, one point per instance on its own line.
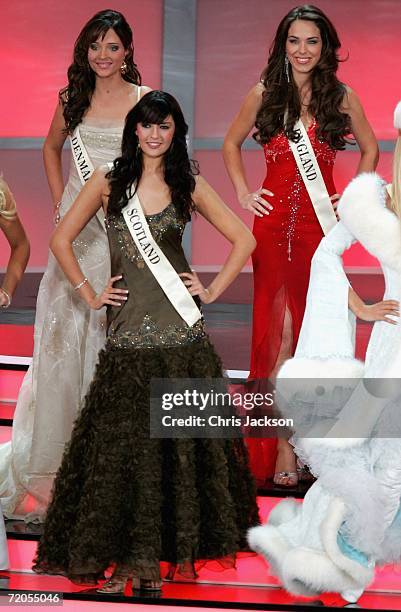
[396, 186]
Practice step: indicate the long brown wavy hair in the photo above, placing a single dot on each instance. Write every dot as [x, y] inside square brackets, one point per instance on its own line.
[76, 97]
[179, 169]
[281, 96]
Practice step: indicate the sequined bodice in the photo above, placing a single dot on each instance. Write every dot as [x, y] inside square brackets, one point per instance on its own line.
[147, 319]
[278, 150]
[102, 141]
[293, 216]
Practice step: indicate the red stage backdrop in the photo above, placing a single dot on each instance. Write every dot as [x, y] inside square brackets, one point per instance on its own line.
[232, 44]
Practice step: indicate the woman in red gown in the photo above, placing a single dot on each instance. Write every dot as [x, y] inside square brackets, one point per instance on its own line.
[299, 82]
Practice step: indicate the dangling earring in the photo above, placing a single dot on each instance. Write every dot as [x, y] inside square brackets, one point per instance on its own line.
[138, 150]
[286, 68]
[124, 67]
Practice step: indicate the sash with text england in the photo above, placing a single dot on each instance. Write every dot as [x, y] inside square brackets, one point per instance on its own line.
[312, 177]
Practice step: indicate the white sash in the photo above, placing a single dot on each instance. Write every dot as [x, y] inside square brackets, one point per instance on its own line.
[312, 178]
[158, 263]
[84, 165]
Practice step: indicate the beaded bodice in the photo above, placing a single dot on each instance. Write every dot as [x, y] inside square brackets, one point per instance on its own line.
[278, 150]
[102, 141]
[105, 139]
[147, 319]
[293, 215]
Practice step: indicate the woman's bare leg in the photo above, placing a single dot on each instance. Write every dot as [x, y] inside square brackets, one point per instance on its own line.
[286, 462]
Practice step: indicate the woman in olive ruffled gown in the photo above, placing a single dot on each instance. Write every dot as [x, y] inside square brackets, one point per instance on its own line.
[120, 497]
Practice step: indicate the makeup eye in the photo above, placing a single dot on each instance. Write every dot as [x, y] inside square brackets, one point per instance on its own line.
[145, 125]
[164, 126]
[93, 46]
[292, 40]
[115, 47]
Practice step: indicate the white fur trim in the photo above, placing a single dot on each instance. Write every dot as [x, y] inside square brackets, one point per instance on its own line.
[301, 367]
[362, 209]
[283, 512]
[397, 116]
[308, 572]
[305, 571]
[329, 527]
[308, 445]
[267, 540]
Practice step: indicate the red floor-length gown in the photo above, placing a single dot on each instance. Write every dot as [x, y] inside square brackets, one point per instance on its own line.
[286, 241]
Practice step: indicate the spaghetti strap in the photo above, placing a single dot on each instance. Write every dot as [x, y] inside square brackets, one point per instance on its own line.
[139, 93]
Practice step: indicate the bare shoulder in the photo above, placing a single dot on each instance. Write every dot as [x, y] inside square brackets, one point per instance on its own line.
[145, 89]
[251, 104]
[207, 200]
[256, 93]
[350, 101]
[201, 186]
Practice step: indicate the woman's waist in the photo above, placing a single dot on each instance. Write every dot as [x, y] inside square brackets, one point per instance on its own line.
[286, 186]
[148, 328]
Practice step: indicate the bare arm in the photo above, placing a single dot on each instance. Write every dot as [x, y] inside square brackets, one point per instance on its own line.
[52, 149]
[211, 206]
[373, 312]
[16, 238]
[362, 131]
[90, 199]
[237, 133]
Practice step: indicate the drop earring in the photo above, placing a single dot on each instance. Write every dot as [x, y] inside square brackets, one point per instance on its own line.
[124, 67]
[287, 68]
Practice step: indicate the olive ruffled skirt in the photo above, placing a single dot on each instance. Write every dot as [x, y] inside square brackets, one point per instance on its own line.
[123, 498]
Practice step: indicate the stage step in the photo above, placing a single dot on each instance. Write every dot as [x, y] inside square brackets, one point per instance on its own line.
[195, 594]
[209, 591]
[248, 586]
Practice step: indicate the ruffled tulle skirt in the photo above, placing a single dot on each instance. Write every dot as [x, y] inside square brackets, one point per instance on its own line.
[121, 497]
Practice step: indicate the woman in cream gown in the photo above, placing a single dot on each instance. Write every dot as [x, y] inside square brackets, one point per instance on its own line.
[350, 519]
[68, 336]
[12, 228]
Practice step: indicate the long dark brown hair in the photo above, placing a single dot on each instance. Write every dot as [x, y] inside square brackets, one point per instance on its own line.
[179, 170]
[281, 96]
[76, 97]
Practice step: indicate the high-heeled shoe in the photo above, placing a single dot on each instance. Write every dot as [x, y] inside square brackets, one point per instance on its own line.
[285, 479]
[115, 585]
[144, 584]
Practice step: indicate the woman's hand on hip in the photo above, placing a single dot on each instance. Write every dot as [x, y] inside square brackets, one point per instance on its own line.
[256, 203]
[109, 296]
[195, 287]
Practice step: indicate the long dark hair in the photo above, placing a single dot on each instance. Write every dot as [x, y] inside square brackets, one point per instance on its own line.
[76, 97]
[327, 91]
[179, 170]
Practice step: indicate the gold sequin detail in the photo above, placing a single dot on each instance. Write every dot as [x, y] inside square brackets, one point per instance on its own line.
[149, 335]
[158, 223]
